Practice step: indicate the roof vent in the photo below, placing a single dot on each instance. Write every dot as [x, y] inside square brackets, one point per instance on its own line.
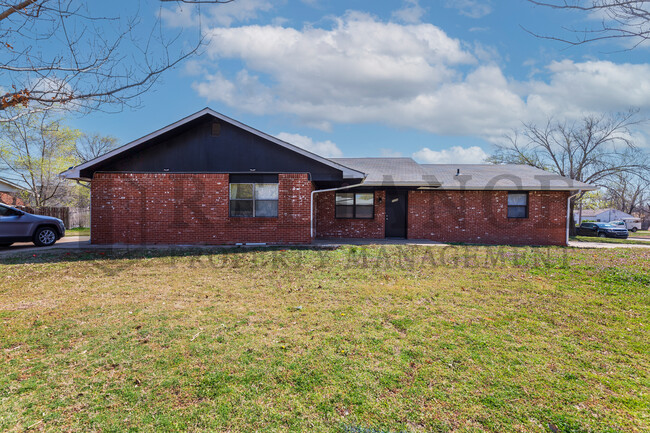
[216, 129]
[458, 172]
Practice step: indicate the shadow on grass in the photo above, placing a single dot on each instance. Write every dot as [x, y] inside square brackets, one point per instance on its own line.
[369, 258]
[139, 253]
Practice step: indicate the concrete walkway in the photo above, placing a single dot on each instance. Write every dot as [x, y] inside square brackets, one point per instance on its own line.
[580, 244]
[83, 243]
[339, 242]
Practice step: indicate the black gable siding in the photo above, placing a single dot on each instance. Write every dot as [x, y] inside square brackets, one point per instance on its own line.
[193, 148]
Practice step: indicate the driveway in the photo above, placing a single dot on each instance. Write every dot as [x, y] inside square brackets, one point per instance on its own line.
[67, 242]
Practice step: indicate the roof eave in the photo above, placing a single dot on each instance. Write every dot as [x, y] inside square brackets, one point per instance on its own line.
[406, 184]
[519, 188]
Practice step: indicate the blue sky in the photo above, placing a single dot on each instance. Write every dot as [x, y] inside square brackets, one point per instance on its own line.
[440, 81]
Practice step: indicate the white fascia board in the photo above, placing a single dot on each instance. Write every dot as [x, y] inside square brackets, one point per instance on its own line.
[348, 173]
[517, 188]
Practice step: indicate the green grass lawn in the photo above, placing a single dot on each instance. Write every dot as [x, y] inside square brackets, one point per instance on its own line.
[641, 234]
[608, 240]
[358, 339]
[78, 231]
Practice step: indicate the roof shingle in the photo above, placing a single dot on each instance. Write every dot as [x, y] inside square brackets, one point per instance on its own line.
[500, 176]
[407, 172]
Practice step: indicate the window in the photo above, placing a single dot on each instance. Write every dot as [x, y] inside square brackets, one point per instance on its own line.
[355, 205]
[517, 205]
[253, 199]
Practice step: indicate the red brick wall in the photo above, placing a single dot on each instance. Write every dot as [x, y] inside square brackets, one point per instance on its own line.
[328, 226]
[170, 208]
[10, 199]
[481, 217]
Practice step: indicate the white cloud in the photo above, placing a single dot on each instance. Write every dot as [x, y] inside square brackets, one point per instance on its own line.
[411, 13]
[453, 155]
[471, 8]
[187, 15]
[323, 148]
[362, 70]
[592, 85]
[194, 67]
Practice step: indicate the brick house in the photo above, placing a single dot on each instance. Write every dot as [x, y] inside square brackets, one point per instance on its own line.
[208, 179]
[10, 193]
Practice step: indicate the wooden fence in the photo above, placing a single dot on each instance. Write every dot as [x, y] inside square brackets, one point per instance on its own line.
[71, 217]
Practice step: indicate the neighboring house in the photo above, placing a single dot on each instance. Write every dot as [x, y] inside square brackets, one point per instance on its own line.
[599, 215]
[210, 179]
[9, 193]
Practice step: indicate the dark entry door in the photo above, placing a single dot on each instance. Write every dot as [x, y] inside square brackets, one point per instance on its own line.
[395, 214]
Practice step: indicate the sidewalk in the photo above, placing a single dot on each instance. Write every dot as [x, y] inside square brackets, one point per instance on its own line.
[83, 242]
[580, 244]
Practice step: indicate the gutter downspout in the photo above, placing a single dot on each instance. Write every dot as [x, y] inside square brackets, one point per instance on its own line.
[568, 213]
[311, 208]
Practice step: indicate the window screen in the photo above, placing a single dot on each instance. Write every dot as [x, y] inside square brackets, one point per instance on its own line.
[355, 205]
[253, 199]
[517, 205]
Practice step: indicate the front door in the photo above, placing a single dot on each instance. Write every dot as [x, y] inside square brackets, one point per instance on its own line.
[396, 214]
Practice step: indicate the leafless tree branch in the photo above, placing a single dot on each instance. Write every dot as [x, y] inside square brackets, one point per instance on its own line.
[623, 19]
[59, 54]
[595, 150]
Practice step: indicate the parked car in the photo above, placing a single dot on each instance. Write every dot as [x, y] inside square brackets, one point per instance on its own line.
[19, 226]
[602, 230]
[632, 224]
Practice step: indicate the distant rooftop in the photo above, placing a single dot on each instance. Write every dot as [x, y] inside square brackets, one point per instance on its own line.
[6, 186]
[586, 213]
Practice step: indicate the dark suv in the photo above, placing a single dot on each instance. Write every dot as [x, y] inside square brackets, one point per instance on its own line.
[19, 226]
[602, 230]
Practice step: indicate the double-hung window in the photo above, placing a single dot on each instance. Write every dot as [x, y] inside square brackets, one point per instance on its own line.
[517, 205]
[355, 205]
[253, 199]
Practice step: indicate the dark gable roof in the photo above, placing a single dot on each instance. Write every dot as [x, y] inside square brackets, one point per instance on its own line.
[76, 172]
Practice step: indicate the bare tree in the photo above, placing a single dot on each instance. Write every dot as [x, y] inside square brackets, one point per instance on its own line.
[59, 53]
[628, 192]
[622, 19]
[34, 149]
[90, 146]
[594, 150]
